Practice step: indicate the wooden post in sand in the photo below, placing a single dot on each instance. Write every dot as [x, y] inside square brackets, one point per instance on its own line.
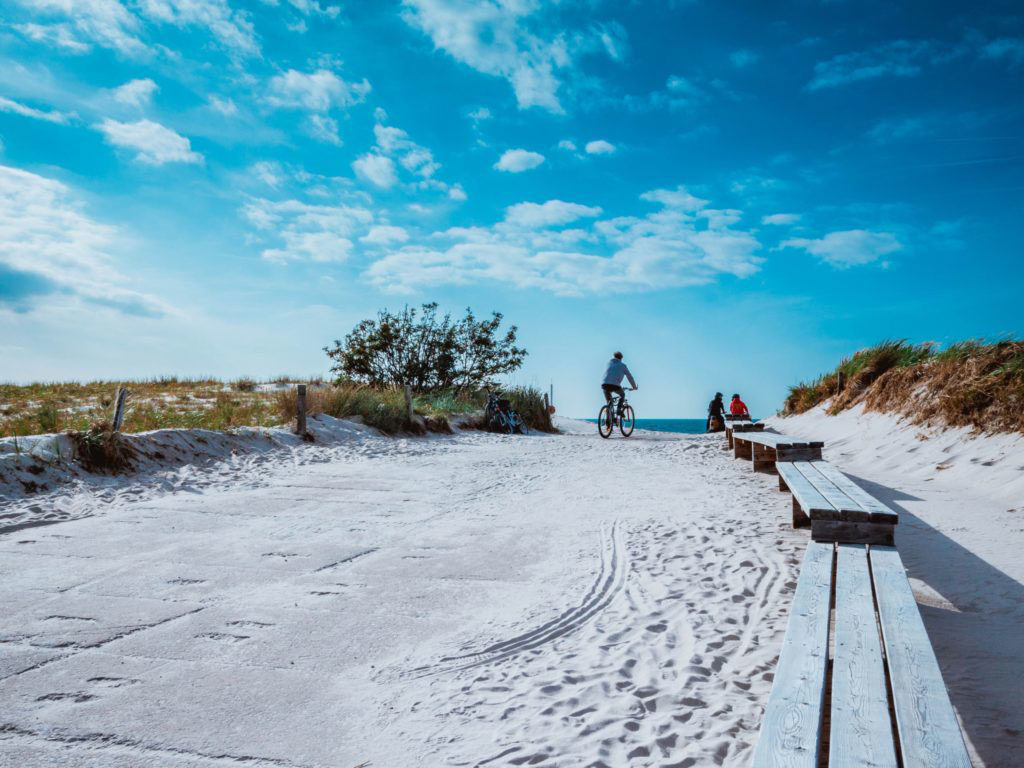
[122, 393]
[408, 404]
[547, 403]
[300, 411]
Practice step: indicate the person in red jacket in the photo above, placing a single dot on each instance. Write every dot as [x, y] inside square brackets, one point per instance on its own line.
[737, 407]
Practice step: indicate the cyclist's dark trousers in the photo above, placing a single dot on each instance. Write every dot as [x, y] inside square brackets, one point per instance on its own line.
[610, 389]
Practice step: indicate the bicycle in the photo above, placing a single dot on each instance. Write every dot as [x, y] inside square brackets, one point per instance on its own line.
[620, 414]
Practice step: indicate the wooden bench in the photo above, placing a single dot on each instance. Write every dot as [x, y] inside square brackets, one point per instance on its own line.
[836, 508]
[741, 425]
[879, 701]
[766, 448]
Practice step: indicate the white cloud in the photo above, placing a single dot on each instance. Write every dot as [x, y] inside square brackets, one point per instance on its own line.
[156, 145]
[493, 38]
[268, 173]
[413, 157]
[567, 145]
[781, 219]
[324, 128]
[848, 248]
[48, 240]
[518, 160]
[57, 35]
[53, 116]
[317, 91]
[743, 58]
[479, 114]
[456, 192]
[384, 235]
[1008, 48]
[113, 24]
[225, 106]
[660, 250]
[549, 214]
[679, 198]
[231, 28]
[319, 233]
[600, 147]
[104, 22]
[899, 58]
[136, 93]
[377, 169]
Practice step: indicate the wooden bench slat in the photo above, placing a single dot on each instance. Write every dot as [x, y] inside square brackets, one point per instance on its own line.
[928, 729]
[860, 732]
[791, 730]
[807, 495]
[846, 507]
[775, 440]
[879, 511]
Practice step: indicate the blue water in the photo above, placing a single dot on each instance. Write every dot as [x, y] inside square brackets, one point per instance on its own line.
[682, 426]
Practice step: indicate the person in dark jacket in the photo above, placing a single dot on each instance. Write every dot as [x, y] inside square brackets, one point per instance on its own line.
[716, 410]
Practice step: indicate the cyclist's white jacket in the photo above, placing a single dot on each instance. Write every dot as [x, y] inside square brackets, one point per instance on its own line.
[616, 370]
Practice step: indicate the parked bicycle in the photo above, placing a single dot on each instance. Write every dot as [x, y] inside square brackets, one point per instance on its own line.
[502, 417]
[618, 414]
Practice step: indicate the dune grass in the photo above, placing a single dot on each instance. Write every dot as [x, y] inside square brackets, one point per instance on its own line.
[162, 402]
[973, 383]
[206, 403]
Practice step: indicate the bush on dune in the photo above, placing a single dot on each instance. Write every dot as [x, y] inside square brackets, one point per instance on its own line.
[973, 383]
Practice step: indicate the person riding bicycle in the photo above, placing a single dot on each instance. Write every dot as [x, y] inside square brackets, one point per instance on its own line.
[613, 380]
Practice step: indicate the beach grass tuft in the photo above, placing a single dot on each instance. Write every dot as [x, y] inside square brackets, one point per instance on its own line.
[973, 383]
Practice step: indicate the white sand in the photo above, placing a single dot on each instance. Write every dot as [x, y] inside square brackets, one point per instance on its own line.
[472, 600]
[459, 601]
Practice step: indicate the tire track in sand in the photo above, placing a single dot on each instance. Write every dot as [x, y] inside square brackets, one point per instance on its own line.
[611, 580]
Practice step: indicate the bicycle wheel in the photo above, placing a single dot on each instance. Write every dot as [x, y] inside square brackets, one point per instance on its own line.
[605, 422]
[506, 423]
[627, 421]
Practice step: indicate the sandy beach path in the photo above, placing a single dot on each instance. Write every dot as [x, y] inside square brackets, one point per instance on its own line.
[479, 600]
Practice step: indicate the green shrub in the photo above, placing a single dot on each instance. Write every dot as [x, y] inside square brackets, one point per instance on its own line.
[48, 417]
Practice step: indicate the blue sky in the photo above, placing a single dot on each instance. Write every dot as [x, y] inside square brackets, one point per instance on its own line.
[733, 196]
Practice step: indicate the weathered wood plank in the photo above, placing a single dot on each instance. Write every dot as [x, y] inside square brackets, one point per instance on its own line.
[879, 511]
[847, 532]
[928, 729]
[763, 458]
[742, 448]
[791, 730]
[808, 496]
[805, 453]
[860, 732]
[842, 507]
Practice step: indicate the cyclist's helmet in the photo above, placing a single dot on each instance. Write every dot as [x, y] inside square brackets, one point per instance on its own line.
[718, 395]
[735, 397]
[618, 355]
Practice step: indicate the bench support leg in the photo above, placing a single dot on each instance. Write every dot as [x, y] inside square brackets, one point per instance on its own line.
[764, 458]
[800, 518]
[782, 484]
[743, 449]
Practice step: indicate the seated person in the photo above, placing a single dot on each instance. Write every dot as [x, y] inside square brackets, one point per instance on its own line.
[738, 408]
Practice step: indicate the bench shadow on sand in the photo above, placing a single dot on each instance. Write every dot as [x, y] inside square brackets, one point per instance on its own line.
[979, 644]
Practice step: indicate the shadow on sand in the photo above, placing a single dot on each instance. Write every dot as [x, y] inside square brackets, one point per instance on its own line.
[978, 639]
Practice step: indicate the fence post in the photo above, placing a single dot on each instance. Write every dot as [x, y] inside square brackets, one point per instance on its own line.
[547, 403]
[122, 393]
[408, 404]
[300, 411]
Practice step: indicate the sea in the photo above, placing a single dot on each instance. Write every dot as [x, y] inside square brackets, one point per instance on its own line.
[682, 426]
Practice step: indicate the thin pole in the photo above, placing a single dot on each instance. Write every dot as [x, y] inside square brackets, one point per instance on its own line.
[300, 411]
